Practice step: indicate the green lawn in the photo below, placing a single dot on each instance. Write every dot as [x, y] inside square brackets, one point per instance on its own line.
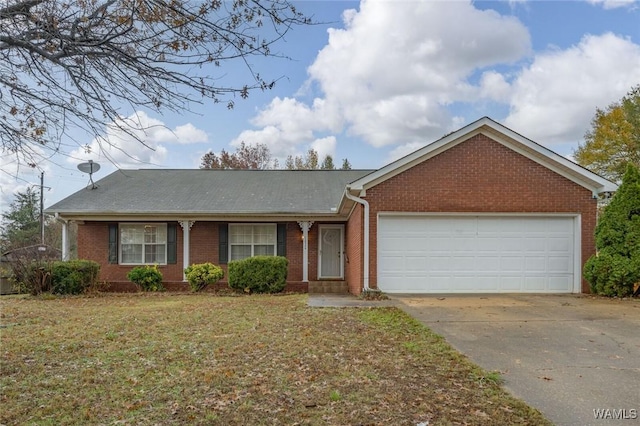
[204, 359]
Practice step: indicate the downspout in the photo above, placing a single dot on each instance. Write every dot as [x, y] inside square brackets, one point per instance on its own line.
[365, 271]
[65, 236]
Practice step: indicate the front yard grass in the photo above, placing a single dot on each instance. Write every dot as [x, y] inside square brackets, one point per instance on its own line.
[203, 359]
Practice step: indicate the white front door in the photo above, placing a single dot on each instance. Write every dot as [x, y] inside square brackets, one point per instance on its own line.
[330, 262]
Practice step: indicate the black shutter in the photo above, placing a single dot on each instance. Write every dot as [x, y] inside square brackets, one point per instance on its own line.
[223, 243]
[172, 243]
[282, 239]
[113, 243]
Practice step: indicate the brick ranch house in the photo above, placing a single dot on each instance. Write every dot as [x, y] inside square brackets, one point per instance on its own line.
[482, 210]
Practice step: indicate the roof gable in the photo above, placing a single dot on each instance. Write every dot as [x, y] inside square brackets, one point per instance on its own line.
[502, 135]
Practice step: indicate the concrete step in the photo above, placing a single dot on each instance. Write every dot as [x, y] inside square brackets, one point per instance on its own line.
[328, 287]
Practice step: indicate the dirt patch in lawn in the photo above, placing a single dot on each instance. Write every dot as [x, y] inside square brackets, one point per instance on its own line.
[203, 359]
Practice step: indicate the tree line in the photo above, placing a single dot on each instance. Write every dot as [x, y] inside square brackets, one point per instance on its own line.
[259, 157]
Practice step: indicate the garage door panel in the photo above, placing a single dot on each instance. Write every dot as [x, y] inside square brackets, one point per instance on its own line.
[442, 263]
[557, 225]
[467, 254]
[560, 244]
[488, 244]
[487, 284]
[487, 263]
[535, 284]
[441, 244]
[511, 263]
[536, 243]
[536, 264]
[511, 243]
[510, 284]
[560, 264]
[416, 263]
[440, 283]
[391, 264]
[463, 263]
[558, 283]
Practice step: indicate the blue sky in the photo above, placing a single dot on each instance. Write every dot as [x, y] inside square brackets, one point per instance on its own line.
[380, 79]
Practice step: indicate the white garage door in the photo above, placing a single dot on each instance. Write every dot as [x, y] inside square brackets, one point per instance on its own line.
[475, 254]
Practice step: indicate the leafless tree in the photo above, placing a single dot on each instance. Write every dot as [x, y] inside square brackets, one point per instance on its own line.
[66, 64]
[257, 157]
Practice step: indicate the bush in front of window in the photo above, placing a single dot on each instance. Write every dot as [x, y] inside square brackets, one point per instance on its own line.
[200, 275]
[74, 276]
[259, 274]
[147, 278]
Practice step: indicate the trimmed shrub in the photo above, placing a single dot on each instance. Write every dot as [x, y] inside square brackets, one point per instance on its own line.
[202, 274]
[615, 269]
[74, 276]
[147, 278]
[612, 274]
[259, 274]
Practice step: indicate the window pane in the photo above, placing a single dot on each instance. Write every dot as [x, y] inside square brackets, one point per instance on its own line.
[240, 234]
[154, 253]
[150, 236]
[240, 252]
[264, 234]
[155, 234]
[263, 250]
[131, 253]
[143, 243]
[131, 234]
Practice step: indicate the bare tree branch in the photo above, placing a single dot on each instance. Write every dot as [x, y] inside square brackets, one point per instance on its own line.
[66, 64]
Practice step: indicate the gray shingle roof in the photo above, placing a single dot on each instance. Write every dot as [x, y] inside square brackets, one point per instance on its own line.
[216, 192]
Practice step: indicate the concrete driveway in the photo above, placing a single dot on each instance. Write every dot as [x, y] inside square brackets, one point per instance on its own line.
[565, 355]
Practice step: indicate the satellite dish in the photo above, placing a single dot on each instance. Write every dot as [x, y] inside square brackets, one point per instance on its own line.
[89, 167]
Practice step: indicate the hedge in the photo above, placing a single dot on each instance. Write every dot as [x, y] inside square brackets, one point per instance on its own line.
[259, 274]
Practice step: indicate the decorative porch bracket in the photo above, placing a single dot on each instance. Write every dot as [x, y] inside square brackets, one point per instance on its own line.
[305, 226]
[186, 239]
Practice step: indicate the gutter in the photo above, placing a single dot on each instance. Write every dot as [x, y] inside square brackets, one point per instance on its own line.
[365, 271]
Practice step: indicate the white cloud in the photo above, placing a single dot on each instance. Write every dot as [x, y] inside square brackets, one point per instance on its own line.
[400, 74]
[188, 134]
[136, 141]
[494, 85]
[288, 125]
[555, 97]
[396, 66]
[613, 4]
[390, 74]
[325, 146]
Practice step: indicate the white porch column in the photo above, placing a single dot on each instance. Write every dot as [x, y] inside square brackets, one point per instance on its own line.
[305, 226]
[65, 240]
[186, 239]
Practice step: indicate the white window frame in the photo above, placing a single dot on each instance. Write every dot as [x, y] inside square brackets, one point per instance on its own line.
[253, 242]
[144, 244]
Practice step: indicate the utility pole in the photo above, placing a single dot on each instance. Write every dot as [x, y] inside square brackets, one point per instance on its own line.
[41, 208]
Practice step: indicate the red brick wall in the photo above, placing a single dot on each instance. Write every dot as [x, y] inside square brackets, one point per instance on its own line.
[481, 175]
[353, 249]
[93, 239]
